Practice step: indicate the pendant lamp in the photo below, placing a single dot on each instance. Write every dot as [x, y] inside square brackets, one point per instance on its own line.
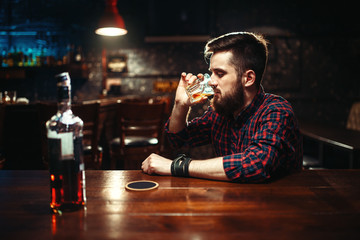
[111, 23]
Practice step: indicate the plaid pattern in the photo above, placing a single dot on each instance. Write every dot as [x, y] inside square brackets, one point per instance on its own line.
[263, 142]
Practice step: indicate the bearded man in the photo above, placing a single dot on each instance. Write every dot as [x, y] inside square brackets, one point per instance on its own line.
[255, 134]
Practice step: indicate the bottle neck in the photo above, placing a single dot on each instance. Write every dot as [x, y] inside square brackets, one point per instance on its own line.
[64, 98]
[64, 106]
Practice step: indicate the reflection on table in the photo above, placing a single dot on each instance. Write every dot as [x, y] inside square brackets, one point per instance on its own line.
[319, 204]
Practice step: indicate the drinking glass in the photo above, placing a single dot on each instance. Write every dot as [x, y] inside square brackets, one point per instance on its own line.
[199, 89]
[11, 96]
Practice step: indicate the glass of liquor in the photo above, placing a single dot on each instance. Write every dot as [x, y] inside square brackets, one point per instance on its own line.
[11, 96]
[65, 149]
[8, 97]
[200, 88]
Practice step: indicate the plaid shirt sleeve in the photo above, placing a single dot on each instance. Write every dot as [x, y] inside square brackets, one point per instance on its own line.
[195, 134]
[274, 147]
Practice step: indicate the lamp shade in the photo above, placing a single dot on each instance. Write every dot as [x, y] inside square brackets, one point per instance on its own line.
[111, 23]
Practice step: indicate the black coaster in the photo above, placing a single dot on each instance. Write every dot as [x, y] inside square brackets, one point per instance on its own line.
[142, 185]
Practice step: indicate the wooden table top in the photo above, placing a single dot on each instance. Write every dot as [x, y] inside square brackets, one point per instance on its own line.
[313, 204]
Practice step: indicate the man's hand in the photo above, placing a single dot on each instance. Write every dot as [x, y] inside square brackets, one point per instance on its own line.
[155, 164]
[182, 102]
[181, 97]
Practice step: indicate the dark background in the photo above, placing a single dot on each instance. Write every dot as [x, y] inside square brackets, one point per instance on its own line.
[314, 45]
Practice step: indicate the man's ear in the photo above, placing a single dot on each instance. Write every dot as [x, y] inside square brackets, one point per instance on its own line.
[249, 78]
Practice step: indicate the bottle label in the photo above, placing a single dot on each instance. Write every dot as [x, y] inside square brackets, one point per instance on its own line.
[67, 145]
[66, 141]
[62, 147]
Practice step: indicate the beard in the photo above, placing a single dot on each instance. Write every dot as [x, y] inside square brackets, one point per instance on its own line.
[229, 103]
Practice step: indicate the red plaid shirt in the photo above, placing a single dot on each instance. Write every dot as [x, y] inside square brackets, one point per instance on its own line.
[263, 142]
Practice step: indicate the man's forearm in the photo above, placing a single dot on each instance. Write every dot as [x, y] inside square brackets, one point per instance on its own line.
[178, 118]
[208, 169]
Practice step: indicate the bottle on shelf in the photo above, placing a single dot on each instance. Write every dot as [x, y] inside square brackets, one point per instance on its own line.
[65, 149]
[4, 58]
[41, 56]
[79, 56]
[10, 57]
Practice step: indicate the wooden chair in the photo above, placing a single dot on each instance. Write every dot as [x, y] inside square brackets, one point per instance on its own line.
[140, 132]
[89, 113]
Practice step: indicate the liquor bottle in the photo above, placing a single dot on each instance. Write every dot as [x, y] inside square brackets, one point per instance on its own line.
[65, 153]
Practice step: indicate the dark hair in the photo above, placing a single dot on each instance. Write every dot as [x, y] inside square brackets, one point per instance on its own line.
[249, 52]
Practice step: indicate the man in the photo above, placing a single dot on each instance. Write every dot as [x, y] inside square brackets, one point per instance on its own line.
[255, 135]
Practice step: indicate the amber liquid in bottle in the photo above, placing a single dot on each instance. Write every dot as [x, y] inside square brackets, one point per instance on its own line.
[65, 153]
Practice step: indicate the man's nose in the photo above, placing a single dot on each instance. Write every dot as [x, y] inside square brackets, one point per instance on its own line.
[213, 83]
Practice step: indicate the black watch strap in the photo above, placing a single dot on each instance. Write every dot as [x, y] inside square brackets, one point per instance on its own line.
[180, 166]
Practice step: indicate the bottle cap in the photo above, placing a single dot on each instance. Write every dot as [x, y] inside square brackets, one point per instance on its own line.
[64, 86]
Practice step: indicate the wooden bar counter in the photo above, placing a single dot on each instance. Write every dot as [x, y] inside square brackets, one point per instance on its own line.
[313, 204]
[341, 139]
